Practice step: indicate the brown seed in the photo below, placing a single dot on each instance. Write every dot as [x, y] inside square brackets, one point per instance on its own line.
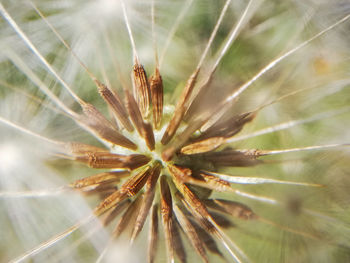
[114, 137]
[77, 148]
[216, 183]
[230, 127]
[115, 104]
[130, 188]
[105, 160]
[216, 135]
[221, 219]
[128, 218]
[137, 160]
[141, 88]
[166, 209]
[144, 129]
[197, 101]
[210, 242]
[146, 200]
[182, 173]
[203, 222]
[181, 139]
[184, 136]
[203, 230]
[233, 208]
[99, 125]
[110, 202]
[153, 235]
[156, 86]
[229, 157]
[149, 136]
[102, 190]
[195, 204]
[98, 179]
[179, 246]
[113, 213]
[197, 208]
[134, 111]
[191, 233]
[94, 117]
[205, 145]
[180, 109]
[136, 183]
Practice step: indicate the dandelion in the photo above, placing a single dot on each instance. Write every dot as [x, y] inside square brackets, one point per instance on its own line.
[198, 172]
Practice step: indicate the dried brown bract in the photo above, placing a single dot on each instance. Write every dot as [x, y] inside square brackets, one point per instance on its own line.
[156, 86]
[141, 88]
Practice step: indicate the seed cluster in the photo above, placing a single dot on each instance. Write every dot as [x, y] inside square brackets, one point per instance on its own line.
[180, 173]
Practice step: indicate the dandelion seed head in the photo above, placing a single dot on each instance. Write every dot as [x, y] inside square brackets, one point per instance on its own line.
[187, 160]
